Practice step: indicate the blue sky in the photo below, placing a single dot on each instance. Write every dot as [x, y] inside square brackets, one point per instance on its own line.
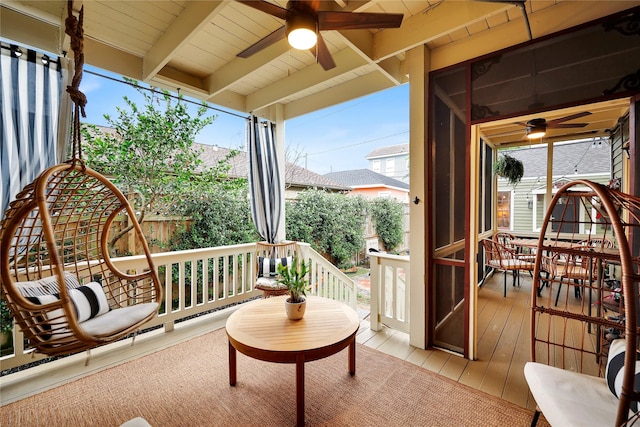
[329, 140]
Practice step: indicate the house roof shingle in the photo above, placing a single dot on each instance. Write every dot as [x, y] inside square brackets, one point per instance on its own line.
[365, 178]
[566, 158]
[391, 150]
[294, 174]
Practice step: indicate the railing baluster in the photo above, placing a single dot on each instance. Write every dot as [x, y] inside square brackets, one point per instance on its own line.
[227, 287]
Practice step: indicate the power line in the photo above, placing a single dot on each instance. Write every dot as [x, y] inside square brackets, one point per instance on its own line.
[137, 86]
[358, 143]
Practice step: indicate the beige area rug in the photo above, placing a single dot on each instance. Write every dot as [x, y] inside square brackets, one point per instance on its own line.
[188, 385]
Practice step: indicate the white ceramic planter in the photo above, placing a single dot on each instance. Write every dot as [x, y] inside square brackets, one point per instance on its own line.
[295, 310]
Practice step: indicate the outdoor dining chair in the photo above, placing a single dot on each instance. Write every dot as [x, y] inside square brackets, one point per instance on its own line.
[579, 268]
[502, 258]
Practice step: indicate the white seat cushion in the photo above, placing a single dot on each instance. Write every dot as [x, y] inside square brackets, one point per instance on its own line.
[118, 319]
[569, 398]
[265, 283]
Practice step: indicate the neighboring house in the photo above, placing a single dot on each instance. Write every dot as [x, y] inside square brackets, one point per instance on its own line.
[371, 184]
[296, 178]
[521, 208]
[391, 161]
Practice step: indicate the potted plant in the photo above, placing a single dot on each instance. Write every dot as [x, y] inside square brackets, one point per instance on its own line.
[510, 168]
[294, 278]
[6, 325]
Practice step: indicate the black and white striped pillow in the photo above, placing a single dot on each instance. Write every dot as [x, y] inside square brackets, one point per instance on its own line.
[268, 267]
[89, 301]
[50, 320]
[615, 370]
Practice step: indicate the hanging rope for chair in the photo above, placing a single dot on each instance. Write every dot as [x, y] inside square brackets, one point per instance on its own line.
[60, 283]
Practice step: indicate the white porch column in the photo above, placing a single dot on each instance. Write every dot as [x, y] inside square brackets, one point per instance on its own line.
[275, 113]
[417, 65]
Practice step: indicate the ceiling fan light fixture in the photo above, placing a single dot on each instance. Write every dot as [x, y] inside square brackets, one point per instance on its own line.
[536, 128]
[301, 31]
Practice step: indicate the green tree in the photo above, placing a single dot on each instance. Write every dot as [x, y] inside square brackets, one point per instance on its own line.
[387, 216]
[332, 223]
[151, 154]
[220, 219]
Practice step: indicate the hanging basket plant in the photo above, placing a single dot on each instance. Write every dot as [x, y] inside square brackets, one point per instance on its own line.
[510, 168]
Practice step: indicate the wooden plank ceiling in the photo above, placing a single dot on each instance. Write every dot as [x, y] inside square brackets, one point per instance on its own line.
[192, 45]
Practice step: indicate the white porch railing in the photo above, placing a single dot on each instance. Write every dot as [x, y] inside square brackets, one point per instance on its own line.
[202, 280]
[389, 291]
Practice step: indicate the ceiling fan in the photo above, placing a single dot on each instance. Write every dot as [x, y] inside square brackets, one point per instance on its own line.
[304, 21]
[537, 128]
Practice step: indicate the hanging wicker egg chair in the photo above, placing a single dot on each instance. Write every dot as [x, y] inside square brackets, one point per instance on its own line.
[56, 272]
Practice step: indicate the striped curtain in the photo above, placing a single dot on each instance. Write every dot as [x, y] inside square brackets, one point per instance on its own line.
[264, 178]
[31, 87]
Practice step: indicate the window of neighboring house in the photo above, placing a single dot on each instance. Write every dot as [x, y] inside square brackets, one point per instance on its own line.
[375, 165]
[390, 166]
[384, 194]
[504, 210]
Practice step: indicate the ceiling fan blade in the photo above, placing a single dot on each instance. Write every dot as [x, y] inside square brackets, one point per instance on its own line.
[267, 41]
[555, 122]
[323, 55]
[352, 20]
[521, 124]
[266, 7]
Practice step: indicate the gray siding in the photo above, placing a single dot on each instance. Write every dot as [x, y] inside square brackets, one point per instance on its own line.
[523, 216]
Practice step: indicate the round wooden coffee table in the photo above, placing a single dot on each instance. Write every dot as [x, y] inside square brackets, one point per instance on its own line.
[261, 330]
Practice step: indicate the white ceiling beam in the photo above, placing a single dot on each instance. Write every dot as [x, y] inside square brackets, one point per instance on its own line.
[392, 68]
[239, 68]
[361, 41]
[417, 30]
[543, 22]
[42, 34]
[193, 18]
[231, 100]
[109, 58]
[179, 81]
[346, 60]
[352, 89]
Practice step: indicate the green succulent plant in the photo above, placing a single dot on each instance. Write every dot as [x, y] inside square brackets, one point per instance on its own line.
[294, 278]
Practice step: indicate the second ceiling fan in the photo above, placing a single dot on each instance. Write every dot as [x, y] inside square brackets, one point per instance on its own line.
[304, 21]
[537, 128]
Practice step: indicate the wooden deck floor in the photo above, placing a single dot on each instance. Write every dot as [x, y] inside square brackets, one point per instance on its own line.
[503, 346]
[503, 350]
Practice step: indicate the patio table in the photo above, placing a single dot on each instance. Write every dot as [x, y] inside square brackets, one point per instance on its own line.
[261, 330]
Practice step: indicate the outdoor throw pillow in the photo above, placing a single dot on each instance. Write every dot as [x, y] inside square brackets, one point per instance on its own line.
[615, 370]
[46, 286]
[50, 319]
[268, 267]
[89, 301]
